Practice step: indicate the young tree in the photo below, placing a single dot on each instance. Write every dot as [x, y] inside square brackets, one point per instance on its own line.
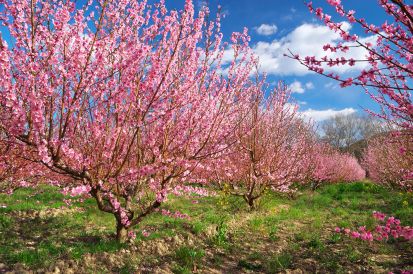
[271, 147]
[122, 98]
[387, 79]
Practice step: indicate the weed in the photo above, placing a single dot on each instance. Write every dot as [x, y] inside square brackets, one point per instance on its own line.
[221, 237]
[279, 262]
[5, 222]
[189, 257]
[316, 243]
[335, 238]
[305, 221]
[352, 254]
[273, 234]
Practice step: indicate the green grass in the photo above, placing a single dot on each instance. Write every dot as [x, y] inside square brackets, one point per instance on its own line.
[282, 233]
[188, 258]
[279, 262]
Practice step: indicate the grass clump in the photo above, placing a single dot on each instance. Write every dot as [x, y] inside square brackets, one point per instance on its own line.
[188, 259]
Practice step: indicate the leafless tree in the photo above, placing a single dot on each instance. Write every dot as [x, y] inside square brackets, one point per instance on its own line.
[342, 131]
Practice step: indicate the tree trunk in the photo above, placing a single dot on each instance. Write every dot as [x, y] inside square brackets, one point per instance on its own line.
[250, 201]
[121, 233]
[315, 185]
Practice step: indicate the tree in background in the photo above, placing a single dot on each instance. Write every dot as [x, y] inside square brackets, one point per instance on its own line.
[331, 166]
[122, 99]
[389, 161]
[272, 147]
[341, 130]
[349, 133]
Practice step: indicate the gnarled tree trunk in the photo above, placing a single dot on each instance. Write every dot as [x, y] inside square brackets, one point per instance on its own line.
[121, 232]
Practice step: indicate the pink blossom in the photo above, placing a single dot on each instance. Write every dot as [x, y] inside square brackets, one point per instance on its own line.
[380, 233]
[132, 235]
[334, 2]
[146, 233]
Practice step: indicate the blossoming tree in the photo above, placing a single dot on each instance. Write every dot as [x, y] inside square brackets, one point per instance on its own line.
[271, 150]
[121, 98]
[389, 161]
[331, 166]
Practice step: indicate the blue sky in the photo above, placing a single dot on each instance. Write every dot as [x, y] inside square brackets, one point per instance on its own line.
[278, 25]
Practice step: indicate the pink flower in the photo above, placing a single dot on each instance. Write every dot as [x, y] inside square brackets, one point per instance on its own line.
[334, 2]
[347, 82]
[132, 235]
[68, 202]
[392, 228]
[366, 236]
[350, 16]
[146, 233]
[378, 215]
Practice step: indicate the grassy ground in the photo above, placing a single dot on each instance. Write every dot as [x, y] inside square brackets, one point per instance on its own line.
[221, 236]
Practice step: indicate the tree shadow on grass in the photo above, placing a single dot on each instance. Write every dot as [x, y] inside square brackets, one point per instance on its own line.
[38, 243]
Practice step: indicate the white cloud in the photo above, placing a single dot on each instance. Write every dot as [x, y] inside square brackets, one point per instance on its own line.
[297, 87]
[332, 85]
[321, 115]
[306, 40]
[266, 29]
[309, 85]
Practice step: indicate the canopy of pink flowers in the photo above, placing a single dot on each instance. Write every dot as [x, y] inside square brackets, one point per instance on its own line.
[389, 160]
[332, 166]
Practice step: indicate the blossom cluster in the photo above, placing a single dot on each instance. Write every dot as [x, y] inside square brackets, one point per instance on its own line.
[391, 228]
[181, 190]
[124, 218]
[81, 190]
[176, 214]
[132, 234]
